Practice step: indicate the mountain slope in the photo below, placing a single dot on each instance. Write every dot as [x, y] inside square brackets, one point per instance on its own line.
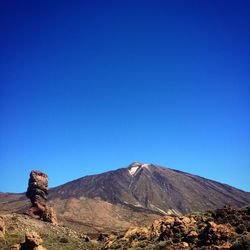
[131, 196]
[153, 188]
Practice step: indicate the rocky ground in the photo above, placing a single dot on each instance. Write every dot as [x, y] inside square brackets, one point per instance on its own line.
[16, 226]
[226, 228]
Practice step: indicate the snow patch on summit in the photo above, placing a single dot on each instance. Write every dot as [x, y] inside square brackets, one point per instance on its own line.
[133, 170]
[145, 165]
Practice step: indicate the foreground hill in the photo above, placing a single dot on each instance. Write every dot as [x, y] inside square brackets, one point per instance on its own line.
[131, 196]
[226, 228]
[54, 237]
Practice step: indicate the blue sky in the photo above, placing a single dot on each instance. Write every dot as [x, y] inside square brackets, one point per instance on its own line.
[90, 86]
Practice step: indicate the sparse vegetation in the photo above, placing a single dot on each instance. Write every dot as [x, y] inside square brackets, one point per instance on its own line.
[163, 244]
[210, 230]
[206, 231]
[242, 243]
[54, 237]
[241, 228]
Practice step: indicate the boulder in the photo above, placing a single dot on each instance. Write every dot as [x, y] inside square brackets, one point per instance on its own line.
[15, 247]
[216, 234]
[32, 242]
[136, 232]
[102, 237]
[175, 228]
[192, 236]
[161, 227]
[2, 228]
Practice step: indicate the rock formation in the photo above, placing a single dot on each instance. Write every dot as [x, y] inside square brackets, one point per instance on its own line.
[37, 192]
[2, 228]
[32, 242]
[225, 228]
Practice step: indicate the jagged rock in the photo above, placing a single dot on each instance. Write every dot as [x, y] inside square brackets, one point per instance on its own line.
[185, 245]
[49, 215]
[32, 239]
[192, 236]
[32, 242]
[37, 192]
[211, 230]
[15, 247]
[216, 234]
[133, 233]
[2, 228]
[162, 225]
[174, 228]
[84, 237]
[102, 237]
[180, 246]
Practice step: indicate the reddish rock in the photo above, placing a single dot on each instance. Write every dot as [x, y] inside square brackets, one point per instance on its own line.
[37, 192]
[216, 234]
[211, 230]
[161, 228]
[32, 242]
[182, 246]
[32, 239]
[49, 215]
[137, 231]
[176, 228]
[192, 236]
[15, 247]
[2, 228]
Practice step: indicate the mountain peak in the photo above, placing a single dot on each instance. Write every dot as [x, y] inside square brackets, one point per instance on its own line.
[152, 188]
[133, 195]
[139, 164]
[135, 166]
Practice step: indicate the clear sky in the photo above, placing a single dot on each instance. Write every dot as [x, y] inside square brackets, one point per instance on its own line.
[90, 86]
